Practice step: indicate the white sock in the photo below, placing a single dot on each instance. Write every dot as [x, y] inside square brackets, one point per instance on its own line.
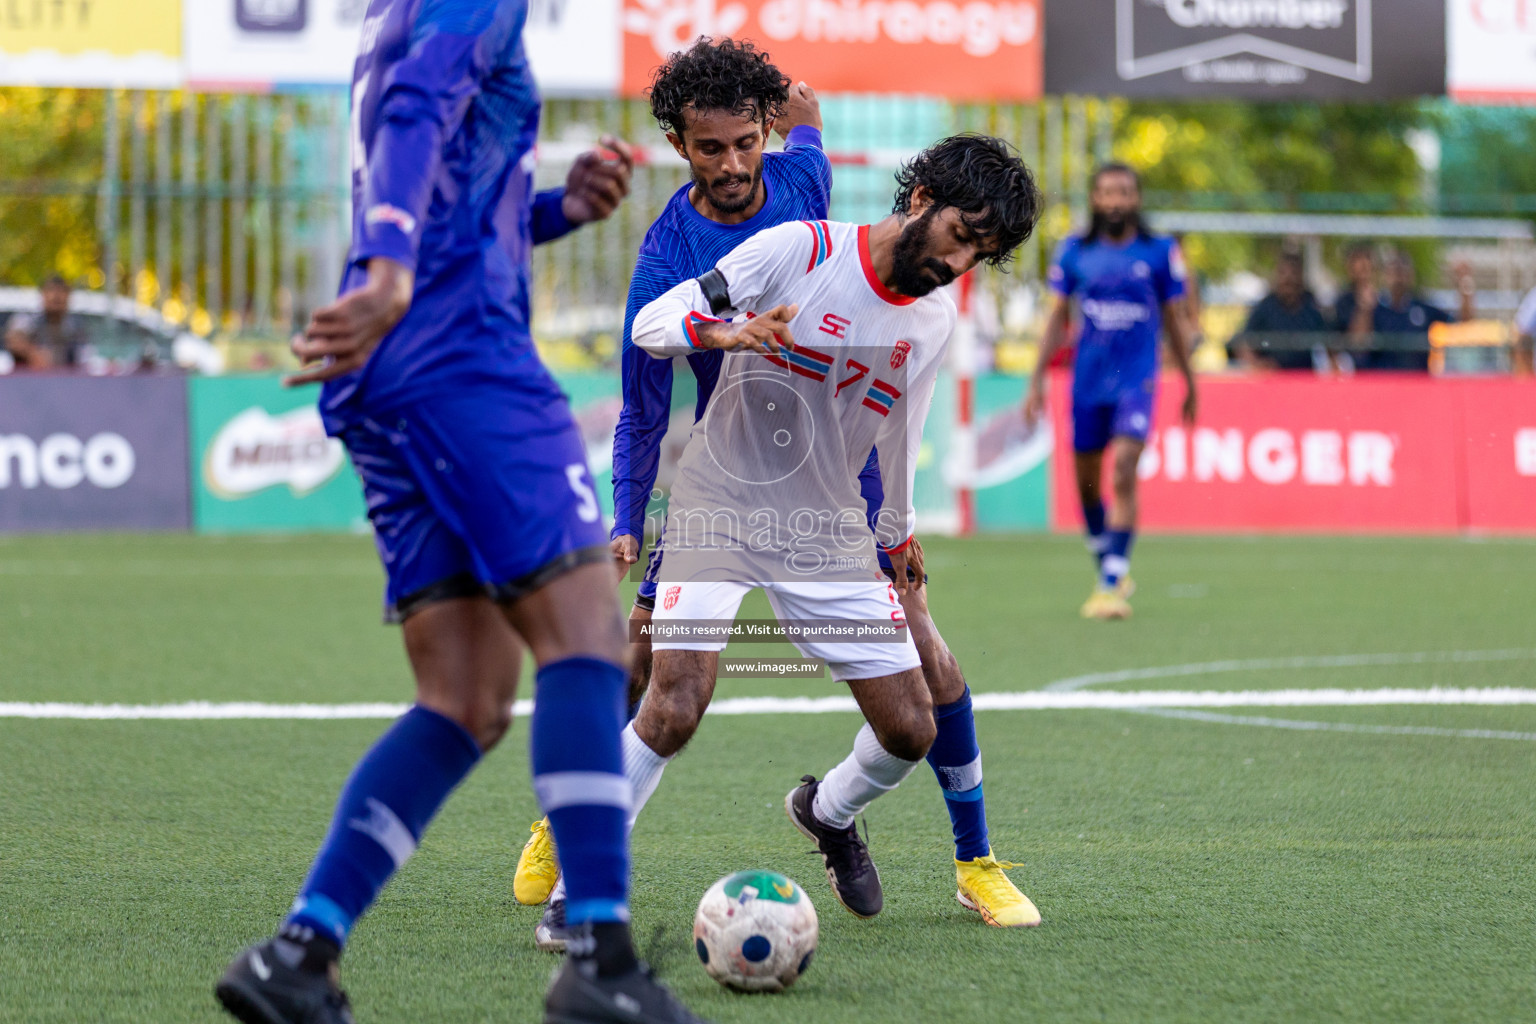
[642, 767]
[867, 773]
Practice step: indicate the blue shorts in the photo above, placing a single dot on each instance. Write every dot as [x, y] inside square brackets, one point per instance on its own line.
[1127, 415]
[471, 495]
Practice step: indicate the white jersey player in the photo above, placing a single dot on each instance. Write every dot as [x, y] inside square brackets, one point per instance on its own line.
[833, 335]
[767, 490]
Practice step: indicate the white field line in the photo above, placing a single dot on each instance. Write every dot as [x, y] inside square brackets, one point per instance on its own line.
[1376, 730]
[1206, 668]
[1037, 700]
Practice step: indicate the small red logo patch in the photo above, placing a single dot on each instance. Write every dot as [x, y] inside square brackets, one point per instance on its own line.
[899, 353]
[670, 601]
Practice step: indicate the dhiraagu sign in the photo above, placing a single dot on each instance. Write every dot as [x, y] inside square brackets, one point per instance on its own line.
[262, 461]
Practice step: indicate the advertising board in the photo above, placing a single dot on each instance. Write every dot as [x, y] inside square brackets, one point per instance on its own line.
[960, 49]
[1251, 49]
[93, 453]
[1491, 51]
[1292, 454]
[261, 461]
[255, 45]
[132, 44]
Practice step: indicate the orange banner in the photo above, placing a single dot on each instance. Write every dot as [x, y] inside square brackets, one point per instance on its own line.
[959, 49]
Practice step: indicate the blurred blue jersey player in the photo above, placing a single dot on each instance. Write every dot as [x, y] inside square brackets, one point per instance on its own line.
[1129, 286]
[482, 507]
[718, 102]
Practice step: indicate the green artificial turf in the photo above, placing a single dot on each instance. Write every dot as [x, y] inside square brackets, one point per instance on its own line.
[1186, 870]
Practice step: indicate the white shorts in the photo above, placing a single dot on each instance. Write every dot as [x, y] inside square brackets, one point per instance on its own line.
[873, 601]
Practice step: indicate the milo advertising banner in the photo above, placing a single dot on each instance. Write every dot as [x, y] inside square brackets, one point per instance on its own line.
[261, 461]
[1010, 474]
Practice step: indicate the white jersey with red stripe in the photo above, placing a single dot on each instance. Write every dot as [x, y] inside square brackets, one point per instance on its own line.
[768, 483]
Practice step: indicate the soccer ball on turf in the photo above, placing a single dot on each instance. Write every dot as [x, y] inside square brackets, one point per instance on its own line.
[755, 931]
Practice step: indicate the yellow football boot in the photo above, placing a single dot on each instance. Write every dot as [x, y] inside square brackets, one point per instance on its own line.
[537, 868]
[1126, 587]
[1106, 604]
[985, 889]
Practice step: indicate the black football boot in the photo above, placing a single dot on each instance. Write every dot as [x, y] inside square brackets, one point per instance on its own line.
[855, 882]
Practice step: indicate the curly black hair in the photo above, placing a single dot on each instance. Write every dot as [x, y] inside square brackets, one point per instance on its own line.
[717, 74]
[983, 178]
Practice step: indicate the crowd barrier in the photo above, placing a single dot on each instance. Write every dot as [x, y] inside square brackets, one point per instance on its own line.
[1368, 454]
[1274, 453]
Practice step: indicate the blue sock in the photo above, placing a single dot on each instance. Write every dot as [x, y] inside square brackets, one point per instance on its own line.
[384, 808]
[634, 709]
[1117, 557]
[1093, 521]
[578, 773]
[956, 759]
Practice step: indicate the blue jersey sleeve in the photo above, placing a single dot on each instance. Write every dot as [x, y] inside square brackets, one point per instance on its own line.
[871, 488]
[424, 95]
[647, 387]
[1063, 273]
[549, 221]
[1170, 272]
[812, 169]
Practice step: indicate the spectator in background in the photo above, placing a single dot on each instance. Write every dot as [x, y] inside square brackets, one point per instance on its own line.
[1379, 327]
[1525, 335]
[1274, 337]
[1402, 312]
[52, 337]
[1353, 314]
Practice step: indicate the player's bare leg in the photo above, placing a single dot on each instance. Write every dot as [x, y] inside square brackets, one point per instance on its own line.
[682, 685]
[941, 670]
[898, 730]
[466, 657]
[1126, 510]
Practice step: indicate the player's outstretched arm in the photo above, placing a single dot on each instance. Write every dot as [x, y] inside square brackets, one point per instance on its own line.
[753, 276]
[646, 385]
[1179, 337]
[1056, 332]
[675, 324]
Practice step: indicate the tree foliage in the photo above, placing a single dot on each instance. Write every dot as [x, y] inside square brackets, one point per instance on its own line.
[1271, 156]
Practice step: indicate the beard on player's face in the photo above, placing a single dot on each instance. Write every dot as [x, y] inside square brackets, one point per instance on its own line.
[1117, 221]
[728, 193]
[914, 269]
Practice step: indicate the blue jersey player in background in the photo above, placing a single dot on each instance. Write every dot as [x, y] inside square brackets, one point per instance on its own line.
[1129, 286]
[718, 101]
[483, 511]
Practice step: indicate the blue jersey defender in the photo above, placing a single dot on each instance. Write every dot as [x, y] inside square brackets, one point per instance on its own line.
[483, 511]
[1128, 286]
[683, 244]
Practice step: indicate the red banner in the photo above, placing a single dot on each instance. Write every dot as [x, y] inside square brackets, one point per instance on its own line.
[960, 49]
[1498, 422]
[1361, 455]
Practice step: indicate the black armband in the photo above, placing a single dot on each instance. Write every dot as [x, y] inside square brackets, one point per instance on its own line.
[714, 288]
